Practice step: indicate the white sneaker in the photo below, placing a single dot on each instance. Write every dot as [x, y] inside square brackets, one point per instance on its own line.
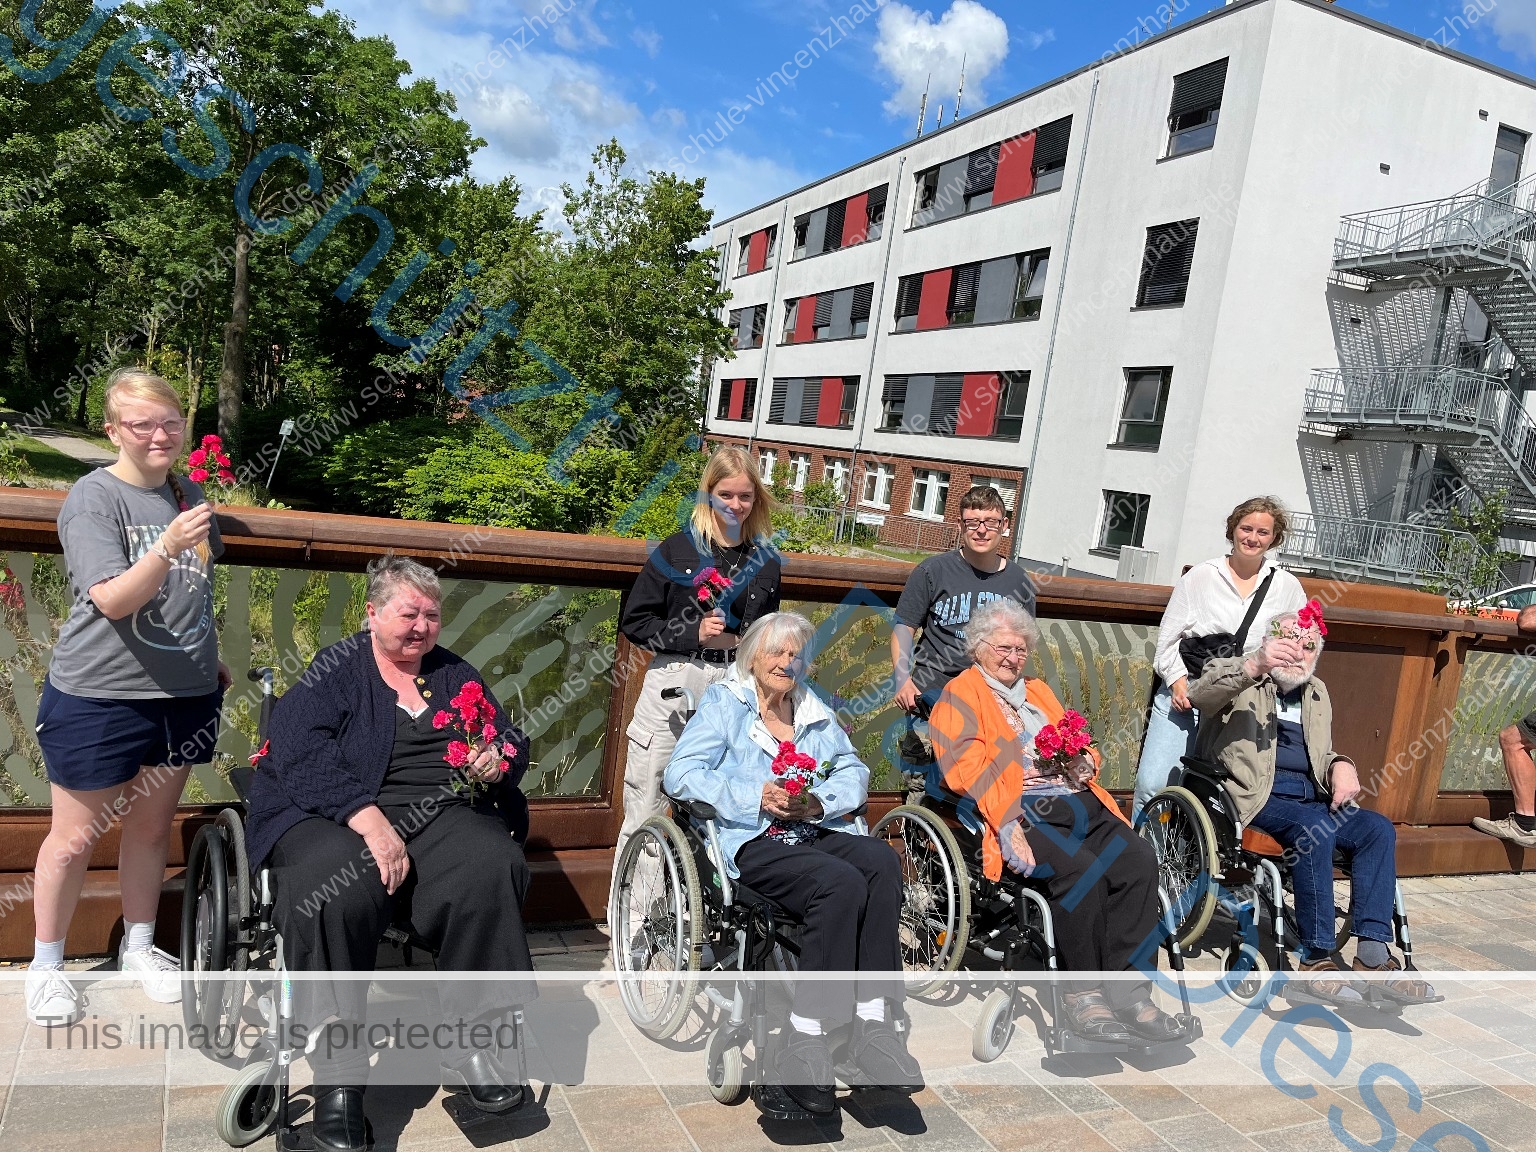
[51, 998]
[159, 971]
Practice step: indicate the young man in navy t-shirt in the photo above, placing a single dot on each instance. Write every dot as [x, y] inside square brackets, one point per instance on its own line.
[939, 598]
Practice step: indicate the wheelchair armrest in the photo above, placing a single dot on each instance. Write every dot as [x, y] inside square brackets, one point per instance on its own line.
[697, 809]
[1210, 769]
[861, 810]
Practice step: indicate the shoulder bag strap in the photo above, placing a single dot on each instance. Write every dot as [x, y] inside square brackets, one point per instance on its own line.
[1253, 610]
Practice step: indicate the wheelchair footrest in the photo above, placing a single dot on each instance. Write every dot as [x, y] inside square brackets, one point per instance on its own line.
[776, 1104]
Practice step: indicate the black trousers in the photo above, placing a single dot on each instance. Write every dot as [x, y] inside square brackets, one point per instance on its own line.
[1102, 885]
[464, 897]
[846, 890]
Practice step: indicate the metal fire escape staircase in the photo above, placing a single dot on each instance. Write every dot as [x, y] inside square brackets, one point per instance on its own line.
[1482, 240]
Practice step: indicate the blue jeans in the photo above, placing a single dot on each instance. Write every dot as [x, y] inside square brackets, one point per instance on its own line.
[1170, 735]
[1310, 832]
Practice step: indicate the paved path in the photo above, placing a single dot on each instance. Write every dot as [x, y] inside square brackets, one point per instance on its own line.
[1472, 1059]
[85, 451]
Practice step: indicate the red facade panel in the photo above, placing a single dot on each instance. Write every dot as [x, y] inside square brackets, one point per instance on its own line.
[978, 404]
[757, 251]
[831, 406]
[856, 219]
[805, 320]
[738, 394]
[933, 306]
[1015, 169]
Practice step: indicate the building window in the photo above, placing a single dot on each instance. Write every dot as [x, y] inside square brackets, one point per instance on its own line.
[811, 401]
[723, 406]
[879, 481]
[1007, 489]
[839, 315]
[988, 292]
[766, 459]
[962, 294]
[1196, 107]
[799, 471]
[997, 174]
[840, 225]
[845, 414]
[835, 472]
[1508, 154]
[748, 399]
[909, 294]
[1146, 399]
[930, 493]
[1125, 520]
[1166, 263]
[1010, 406]
[893, 403]
[1029, 288]
[755, 252]
[747, 325]
[736, 400]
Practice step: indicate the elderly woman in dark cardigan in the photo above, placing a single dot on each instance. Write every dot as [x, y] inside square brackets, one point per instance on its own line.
[355, 807]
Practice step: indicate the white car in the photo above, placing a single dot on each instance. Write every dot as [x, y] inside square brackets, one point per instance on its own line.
[1500, 605]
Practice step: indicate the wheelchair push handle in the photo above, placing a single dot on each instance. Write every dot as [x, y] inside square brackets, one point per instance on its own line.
[690, 705]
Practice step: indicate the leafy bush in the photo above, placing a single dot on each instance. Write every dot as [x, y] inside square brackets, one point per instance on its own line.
[365, 468]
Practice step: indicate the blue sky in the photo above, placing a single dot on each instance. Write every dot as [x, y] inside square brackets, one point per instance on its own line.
[657, 75]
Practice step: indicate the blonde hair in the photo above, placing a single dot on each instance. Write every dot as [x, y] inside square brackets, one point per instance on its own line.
[141, 384]
[726, 462]
[1270, 507]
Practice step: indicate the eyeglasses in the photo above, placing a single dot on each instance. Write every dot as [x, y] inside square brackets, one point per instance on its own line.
[982, 525]
[145, 429]
[1008, 651]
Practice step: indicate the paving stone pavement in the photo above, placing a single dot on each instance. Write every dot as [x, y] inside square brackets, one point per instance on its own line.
[1465, 1066]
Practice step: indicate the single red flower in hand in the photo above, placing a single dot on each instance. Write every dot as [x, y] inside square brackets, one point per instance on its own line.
[442, 719]
[458, 753]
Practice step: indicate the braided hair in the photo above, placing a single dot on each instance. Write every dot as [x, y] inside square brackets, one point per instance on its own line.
[204, 552]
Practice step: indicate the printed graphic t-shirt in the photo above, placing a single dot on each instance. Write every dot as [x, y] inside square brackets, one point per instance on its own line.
[939, 598]
[166, 648]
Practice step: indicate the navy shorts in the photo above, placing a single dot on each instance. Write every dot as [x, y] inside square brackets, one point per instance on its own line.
[90, 744]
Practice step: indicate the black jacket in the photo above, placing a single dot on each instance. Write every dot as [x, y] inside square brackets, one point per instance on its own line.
[662, 612]
[332, 734]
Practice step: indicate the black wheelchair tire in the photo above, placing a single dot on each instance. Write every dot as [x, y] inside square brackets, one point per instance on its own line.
[959, 897]
[661, 830]
[204, 932]
[1162, 811]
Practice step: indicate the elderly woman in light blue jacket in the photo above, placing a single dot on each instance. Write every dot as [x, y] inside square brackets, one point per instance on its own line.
[787, 832]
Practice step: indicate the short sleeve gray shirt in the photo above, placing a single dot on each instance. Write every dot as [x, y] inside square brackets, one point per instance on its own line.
[939, 598]
[168, 647]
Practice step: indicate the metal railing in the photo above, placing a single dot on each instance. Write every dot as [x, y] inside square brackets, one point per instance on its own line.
[1400, 553]
[1499, 222]
[1430, 396]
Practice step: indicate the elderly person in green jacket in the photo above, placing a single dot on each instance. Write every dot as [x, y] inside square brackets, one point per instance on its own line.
[1266, 718]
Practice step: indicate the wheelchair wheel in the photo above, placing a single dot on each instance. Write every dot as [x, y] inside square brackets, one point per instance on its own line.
[994, 1027]
[1244, 972]
[1180, 832]
[727, 1068]
[205, 931]
[936, 895]
[657, 924]
[248, 1107]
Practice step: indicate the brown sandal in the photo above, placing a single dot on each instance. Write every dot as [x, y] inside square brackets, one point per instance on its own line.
[1309, 989]
[1408, 990]
[1090, 1016]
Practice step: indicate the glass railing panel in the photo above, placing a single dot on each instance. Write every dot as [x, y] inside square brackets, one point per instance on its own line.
[1497, 688]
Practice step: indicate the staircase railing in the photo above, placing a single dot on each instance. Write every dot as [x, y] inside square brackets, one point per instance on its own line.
[1402, 553]
[1430, 396]
[1482, 216]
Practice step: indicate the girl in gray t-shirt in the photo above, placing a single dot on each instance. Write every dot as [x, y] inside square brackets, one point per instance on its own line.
[134, 685]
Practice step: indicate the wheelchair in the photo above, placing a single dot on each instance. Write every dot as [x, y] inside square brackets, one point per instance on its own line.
[681, 926]
[952, 913]
[1211, 860]
[230, 947]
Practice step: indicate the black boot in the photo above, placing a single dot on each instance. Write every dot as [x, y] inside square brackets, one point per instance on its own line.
[339, 1124]
[804, 1068]
[880, 1053]
[479, 1076]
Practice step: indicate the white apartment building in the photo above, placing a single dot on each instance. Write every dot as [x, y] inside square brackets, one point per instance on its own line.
[1166, 282]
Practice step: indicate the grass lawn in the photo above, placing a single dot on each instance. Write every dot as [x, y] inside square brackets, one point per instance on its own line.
[49, 463]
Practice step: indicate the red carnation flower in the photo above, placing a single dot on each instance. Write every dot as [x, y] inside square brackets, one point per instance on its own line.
[197, 458]
[442, 719]
[794, 786]
[200, 475]
[458, 753]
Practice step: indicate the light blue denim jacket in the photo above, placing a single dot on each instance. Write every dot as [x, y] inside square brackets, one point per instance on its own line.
[725, 756]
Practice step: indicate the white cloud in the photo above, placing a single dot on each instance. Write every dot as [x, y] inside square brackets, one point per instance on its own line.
[648, 39]
[920, 53]
[1040, 39]
[1516, 26]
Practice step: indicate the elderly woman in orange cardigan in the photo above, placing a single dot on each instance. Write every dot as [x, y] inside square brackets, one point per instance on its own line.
[1059, 827]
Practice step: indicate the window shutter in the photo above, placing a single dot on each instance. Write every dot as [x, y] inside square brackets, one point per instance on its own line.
[810, 401]
[776, 403]
[1166, 264]
[962, 294]
[981, 171]
[863, 298]
[748, 399]
[877, 198]
[1051, 142]
[909, 294]
[823, 310]
[944, 409]
[834, 228]
[1199, 88]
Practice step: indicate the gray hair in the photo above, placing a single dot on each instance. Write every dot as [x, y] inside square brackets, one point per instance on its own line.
[775, 632]
[995, 615]
[389, 572]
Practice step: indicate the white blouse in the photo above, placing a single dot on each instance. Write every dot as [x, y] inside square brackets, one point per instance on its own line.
[1205, 601]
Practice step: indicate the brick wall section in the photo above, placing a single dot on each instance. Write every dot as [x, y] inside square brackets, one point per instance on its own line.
[899, 529]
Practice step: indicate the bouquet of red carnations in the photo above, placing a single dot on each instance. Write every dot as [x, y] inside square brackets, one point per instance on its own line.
[1058, 746]
[472, 721]
[797, 773]
[210, 460]
[711, 585]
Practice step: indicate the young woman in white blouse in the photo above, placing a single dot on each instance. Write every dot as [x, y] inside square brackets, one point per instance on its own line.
[1211, 598]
